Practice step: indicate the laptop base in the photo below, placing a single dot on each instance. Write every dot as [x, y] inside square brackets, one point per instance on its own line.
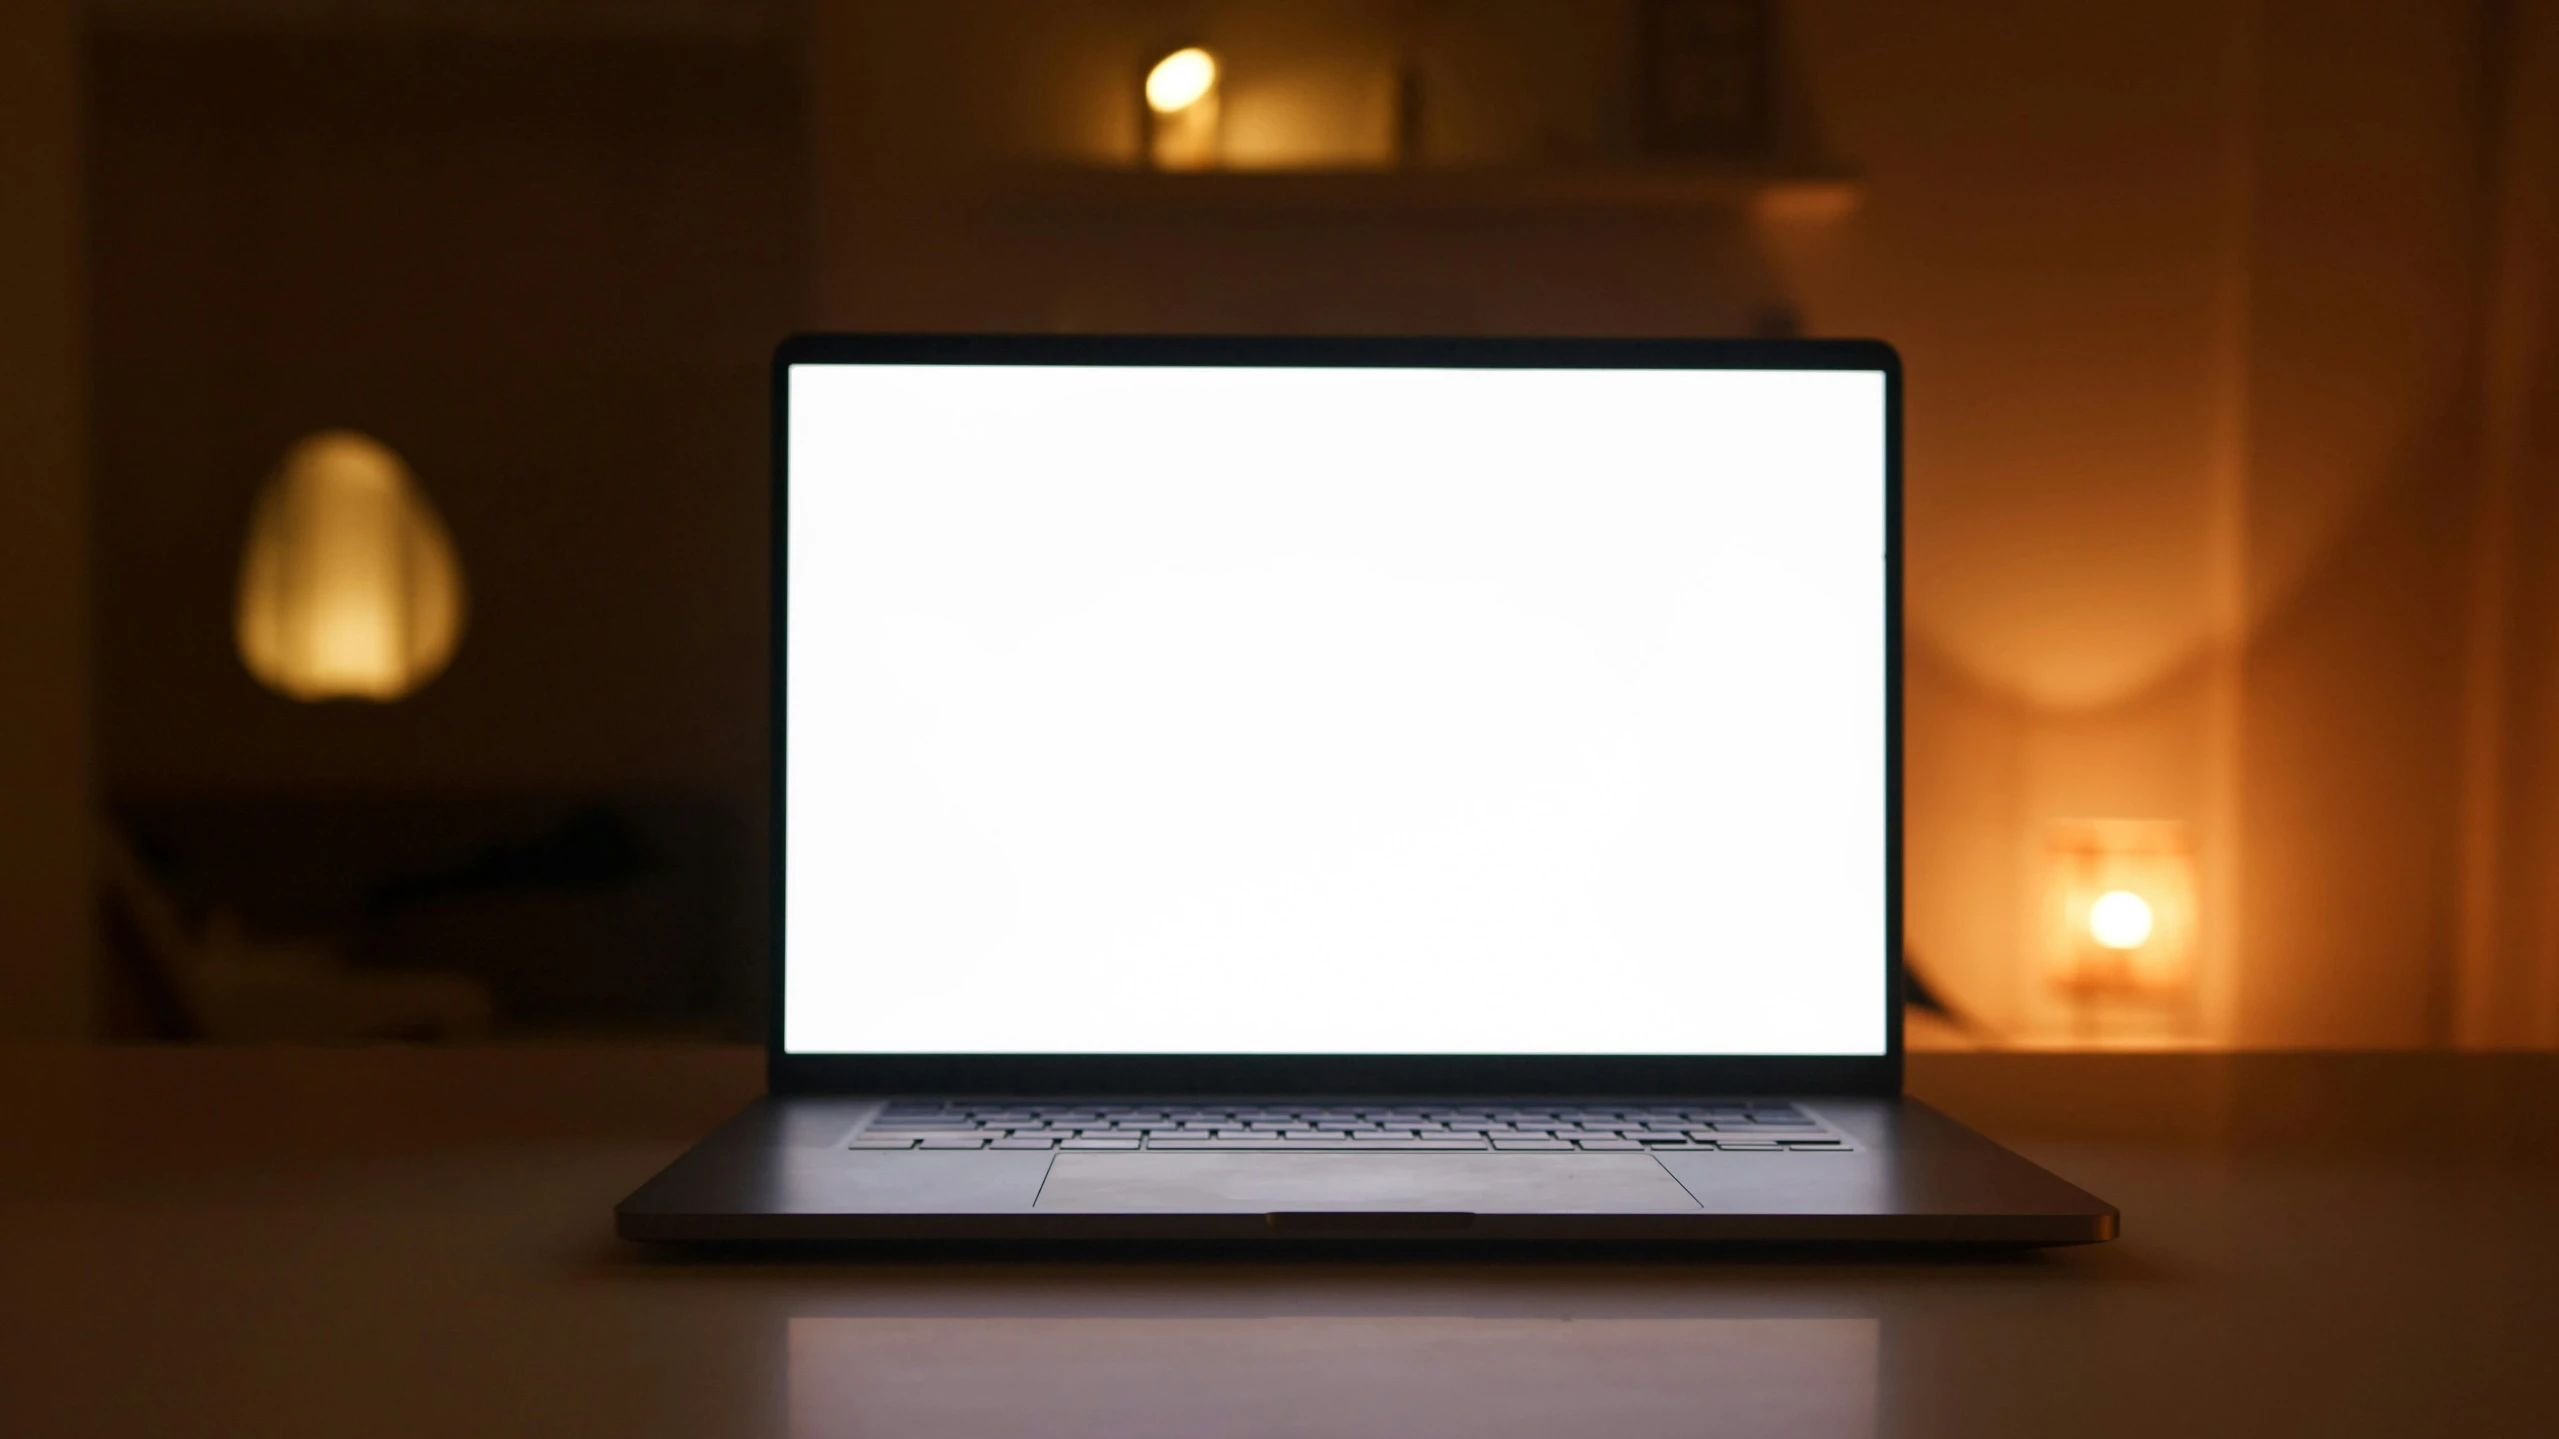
[783, 1171]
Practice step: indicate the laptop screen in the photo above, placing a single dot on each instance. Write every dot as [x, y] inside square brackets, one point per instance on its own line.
[1149, 709]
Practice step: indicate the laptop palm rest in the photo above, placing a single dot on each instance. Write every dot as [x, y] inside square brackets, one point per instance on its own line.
[1423, 1184]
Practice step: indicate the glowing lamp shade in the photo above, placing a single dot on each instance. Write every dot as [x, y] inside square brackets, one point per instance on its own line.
[2123, 909]
[349, 588]
[1181, 110]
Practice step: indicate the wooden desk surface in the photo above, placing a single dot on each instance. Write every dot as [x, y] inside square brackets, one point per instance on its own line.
[397, 1242]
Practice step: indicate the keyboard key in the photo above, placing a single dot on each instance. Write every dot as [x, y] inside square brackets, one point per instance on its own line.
[1615, 1144]
[1097, 1144]
[1020, 1144]
[952, 1141]
[1500, 1142]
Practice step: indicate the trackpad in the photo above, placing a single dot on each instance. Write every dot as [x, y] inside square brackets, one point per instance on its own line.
[1263, 1183]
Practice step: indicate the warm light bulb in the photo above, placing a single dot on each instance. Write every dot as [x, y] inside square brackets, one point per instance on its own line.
[1179, 80]
[2120, 919]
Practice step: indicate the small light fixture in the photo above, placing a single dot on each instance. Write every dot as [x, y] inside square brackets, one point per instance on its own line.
[1181, 110]
[349, 588]
[2122, 906]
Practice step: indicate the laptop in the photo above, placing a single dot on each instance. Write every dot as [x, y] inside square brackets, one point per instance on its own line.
[1294, 790]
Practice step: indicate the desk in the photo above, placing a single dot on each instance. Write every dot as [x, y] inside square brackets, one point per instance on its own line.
[395, 1242]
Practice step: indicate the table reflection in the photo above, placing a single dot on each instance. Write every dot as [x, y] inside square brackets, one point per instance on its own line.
[1409, 1376]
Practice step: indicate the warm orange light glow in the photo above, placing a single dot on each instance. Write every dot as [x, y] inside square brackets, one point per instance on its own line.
[2122, 901]
[2120, 919]
[1180, 80]
[349, 588]
[1182, 111]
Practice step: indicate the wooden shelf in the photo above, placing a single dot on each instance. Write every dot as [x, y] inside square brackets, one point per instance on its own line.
[1387, 193]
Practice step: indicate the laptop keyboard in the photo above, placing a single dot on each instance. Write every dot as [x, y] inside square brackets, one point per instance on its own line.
[1758, 1124]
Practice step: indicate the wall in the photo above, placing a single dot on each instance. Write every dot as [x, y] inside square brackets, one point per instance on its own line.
[2231, 450]
[546, 262]
[2048, 236]
[2192, 297]
[2367, 233]
[2197, 289]
[2507, 979]
[2319, 728]
[46, 981]
[547, 272]
[939, 132]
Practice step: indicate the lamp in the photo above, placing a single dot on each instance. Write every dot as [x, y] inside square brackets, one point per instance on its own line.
[349, 588]
[2122, 909]
[1181, 110]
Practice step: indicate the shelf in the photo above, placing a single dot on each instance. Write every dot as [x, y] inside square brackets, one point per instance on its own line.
[1381, 192]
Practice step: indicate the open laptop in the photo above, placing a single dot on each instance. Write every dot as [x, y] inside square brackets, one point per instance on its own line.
[1291, 789]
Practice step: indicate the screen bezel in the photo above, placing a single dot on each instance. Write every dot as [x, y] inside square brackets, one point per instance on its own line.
[1430, 1074]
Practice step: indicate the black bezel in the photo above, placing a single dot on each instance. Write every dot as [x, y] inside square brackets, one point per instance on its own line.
[1441, 1074]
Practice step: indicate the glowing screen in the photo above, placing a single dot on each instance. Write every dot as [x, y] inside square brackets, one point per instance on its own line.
[1141, 709]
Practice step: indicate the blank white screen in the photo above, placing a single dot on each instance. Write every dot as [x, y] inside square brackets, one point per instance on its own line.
[1306, 711]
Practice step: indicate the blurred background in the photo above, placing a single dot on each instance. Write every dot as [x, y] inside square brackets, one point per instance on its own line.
[382, 409]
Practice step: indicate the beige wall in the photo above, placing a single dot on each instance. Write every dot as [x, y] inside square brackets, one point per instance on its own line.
[2049, 236]
[2231, 451]
[2366, 235]
[2191, 295]
[45, 975]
